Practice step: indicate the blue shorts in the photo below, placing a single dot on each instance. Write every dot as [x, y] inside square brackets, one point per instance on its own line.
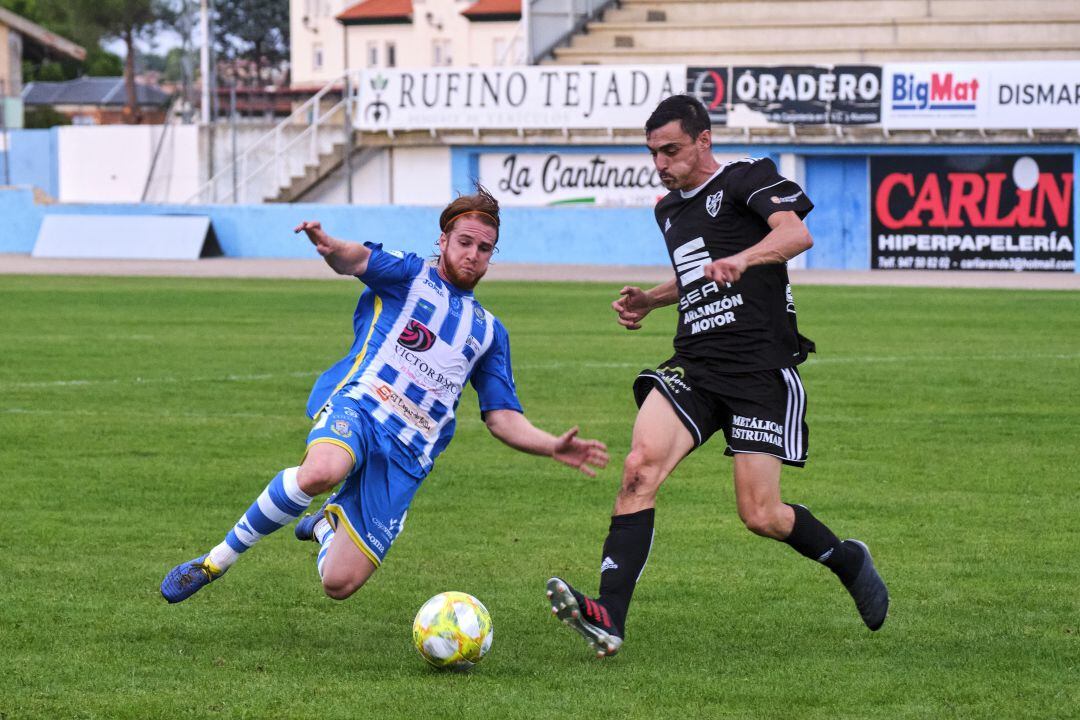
[373, 501]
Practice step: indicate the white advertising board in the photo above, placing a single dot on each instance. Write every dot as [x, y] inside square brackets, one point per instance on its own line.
[551, 97]
[565, 178]
[1004, 95]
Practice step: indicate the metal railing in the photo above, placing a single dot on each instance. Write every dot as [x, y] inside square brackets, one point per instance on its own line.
[550, 23]
[268, 165]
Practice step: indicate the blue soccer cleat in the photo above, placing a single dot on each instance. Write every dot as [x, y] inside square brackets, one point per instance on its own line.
[305, 526]
[188, 578]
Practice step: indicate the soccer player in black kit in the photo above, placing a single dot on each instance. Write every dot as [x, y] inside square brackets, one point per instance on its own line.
[730, 230]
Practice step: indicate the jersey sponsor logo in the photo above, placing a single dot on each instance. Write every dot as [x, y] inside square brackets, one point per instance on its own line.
[715, 314]
[416, 336]
[790, 299]
[424, 374]
[690, 260]
[757, 430]
[777, 200]
[473, 343]
[673, 378]
[455, 306]
[396, 253]
[404, 408]
[712, 203]
[693, 297]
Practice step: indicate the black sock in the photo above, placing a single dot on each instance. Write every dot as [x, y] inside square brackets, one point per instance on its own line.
[625, 552]
[811, 538]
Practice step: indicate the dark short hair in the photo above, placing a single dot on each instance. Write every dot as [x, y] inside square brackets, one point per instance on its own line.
[481, 206]
[692, 116]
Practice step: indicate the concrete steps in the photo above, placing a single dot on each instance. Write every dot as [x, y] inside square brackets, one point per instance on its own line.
[842, 35]
[328, 162]
[827, 31]
[778, 10]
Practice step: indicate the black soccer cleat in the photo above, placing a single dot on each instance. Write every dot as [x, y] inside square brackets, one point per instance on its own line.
[868, 590]
[587, 617]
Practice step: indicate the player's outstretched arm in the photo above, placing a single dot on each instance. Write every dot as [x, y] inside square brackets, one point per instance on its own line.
[345, 258]
[634, 303]
[514, 429]
[788, 237]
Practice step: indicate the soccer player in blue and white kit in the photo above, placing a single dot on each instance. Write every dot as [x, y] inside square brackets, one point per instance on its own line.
[386, 410]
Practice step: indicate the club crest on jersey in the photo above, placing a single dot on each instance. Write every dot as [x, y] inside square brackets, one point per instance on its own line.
[341, 428]
[455, 306]
[712, 203]
[416, 336]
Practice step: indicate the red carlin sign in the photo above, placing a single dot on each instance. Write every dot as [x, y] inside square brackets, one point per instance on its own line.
[972, 212]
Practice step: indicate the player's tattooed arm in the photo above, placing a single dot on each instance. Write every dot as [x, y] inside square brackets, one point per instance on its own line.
[787, 238]
[345, 258]
[634, 303]
[514, 429]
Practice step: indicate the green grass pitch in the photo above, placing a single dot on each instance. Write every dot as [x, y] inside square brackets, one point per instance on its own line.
[139, 418]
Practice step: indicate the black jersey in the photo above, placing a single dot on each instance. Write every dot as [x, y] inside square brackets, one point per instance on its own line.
[750, 325]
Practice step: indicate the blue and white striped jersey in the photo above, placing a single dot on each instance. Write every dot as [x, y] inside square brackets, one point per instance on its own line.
[418, 341]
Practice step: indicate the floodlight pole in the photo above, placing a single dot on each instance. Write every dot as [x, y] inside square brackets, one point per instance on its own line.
[348, 138]
[6, 138]
[204, 57]
[526, 29]
[232, 133]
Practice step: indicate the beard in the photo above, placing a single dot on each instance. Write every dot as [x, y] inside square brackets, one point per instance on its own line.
[459, 279]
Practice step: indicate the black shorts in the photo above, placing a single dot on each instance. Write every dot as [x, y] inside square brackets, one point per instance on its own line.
[759, 412]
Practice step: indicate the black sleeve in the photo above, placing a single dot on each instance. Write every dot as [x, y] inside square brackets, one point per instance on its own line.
[760, 187]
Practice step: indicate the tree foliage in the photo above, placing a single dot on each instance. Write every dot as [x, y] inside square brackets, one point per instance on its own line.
[252, 30]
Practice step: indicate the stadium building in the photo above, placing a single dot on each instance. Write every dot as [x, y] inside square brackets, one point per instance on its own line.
[931, 135]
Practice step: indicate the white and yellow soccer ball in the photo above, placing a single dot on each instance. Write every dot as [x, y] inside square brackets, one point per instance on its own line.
[453, 631]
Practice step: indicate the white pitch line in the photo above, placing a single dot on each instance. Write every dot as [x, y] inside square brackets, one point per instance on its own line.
[856, 359]
[153, 381]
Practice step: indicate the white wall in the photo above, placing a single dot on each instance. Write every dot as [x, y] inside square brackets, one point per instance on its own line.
[421, 175]
[111, 163]
[400, 176]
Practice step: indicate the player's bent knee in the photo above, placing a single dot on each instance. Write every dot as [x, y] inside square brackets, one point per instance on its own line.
[320, 473]
[762, 521]
[641, 481]
[341, 587]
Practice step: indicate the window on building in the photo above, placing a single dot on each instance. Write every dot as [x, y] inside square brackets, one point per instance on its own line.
[391, 54]
[373, 53]
[316, 56]
[441, 52]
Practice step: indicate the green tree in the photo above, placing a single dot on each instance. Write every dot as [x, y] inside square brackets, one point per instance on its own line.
[174, 65]
[102, 63]
[255, 30]
[126, 20]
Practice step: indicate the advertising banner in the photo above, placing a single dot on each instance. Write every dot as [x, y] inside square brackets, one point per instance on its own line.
[805, 94]
[1003, 95]
[563, 178]
[710, 86]
[972, 212]
[540, 97]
